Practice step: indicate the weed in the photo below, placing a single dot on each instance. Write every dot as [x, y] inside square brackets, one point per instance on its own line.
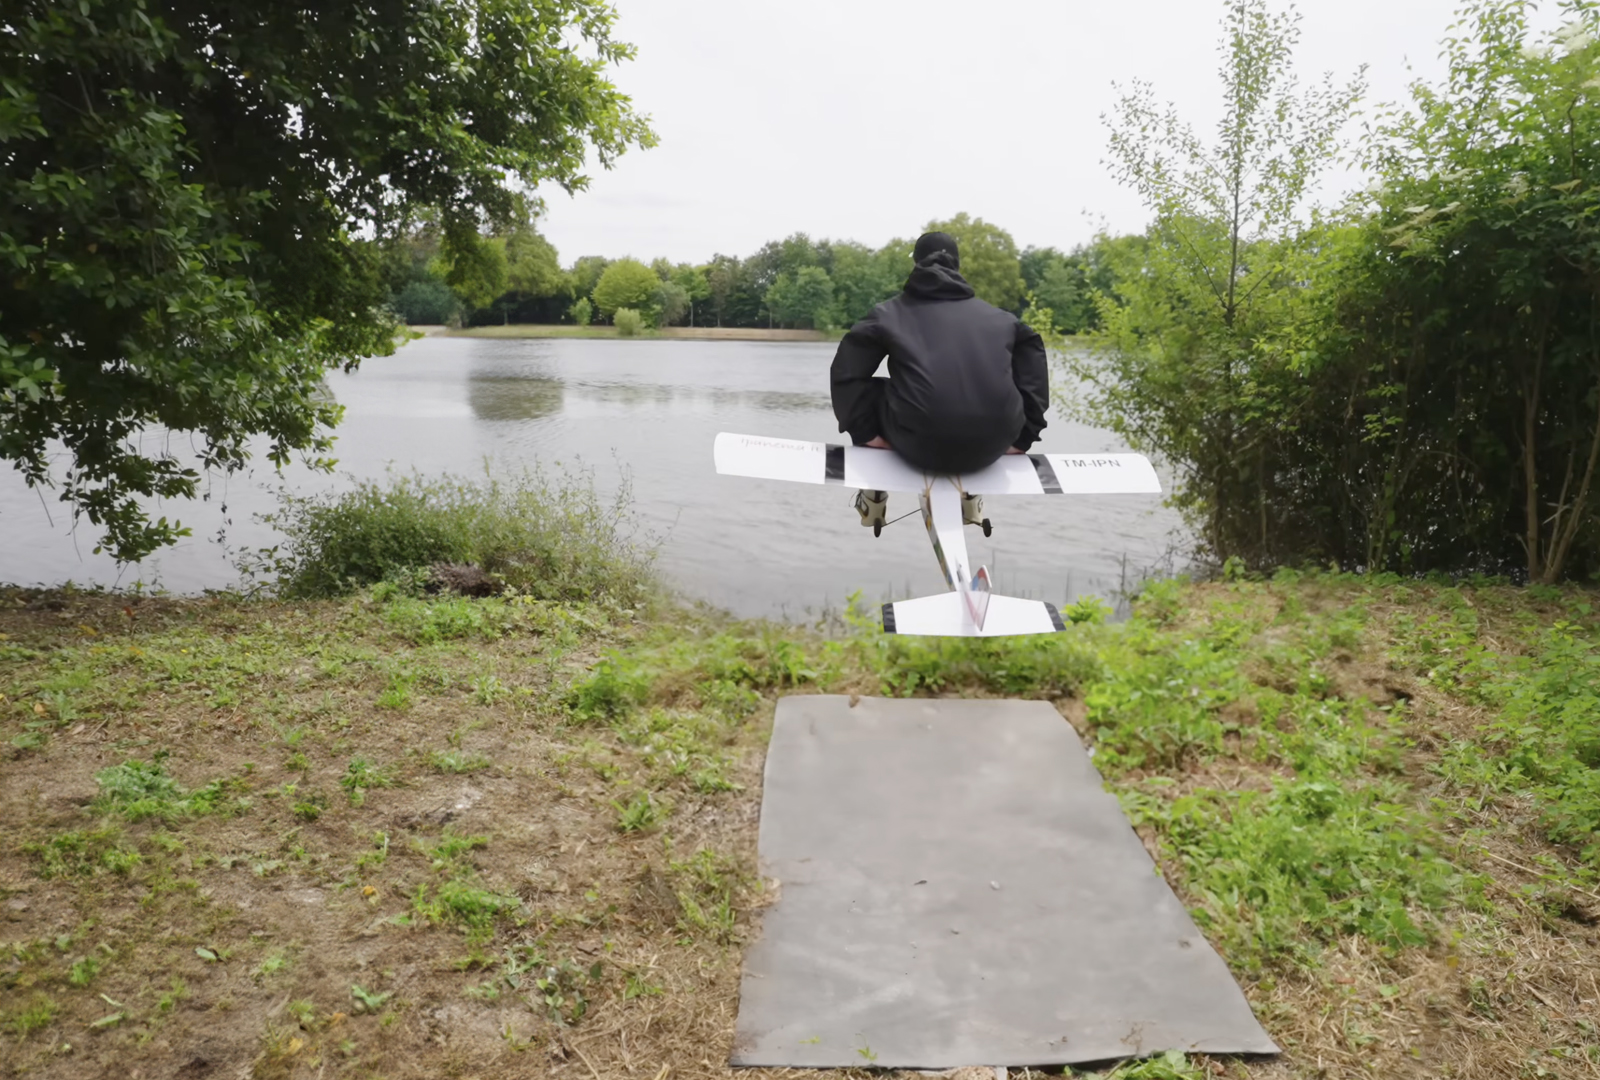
[456, 761]
[637, 987]
[487, 689]
[270, 965]
[304, 1012]
[638, 814]
[83, 971]
[562, 989]
[464, 904]
[310, 806]
[361, 775]
[552, 541]
[139, 790]
[1172, 1065]
[379, 854]
[38, 1014]
[177, 990]
[451, 846]
[83, 852]
[368, 1000]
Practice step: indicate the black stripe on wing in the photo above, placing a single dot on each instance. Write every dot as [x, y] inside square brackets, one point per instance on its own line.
[1047, 474]
[1055, 618]
[833, 467]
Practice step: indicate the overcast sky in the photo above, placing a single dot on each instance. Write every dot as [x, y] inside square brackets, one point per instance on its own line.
[864, 119]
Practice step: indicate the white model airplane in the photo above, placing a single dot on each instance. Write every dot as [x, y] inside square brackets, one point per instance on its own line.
[970, 608]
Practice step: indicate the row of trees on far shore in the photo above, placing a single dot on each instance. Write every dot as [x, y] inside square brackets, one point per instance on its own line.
[796, 282]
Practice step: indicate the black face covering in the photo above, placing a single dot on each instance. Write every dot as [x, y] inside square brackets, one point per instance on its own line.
[929, 243]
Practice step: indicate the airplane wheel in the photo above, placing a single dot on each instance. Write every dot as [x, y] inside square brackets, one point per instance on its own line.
[877, 530]
[987, 528]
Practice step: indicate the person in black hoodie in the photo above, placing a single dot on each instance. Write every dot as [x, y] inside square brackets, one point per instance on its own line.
[967, 381]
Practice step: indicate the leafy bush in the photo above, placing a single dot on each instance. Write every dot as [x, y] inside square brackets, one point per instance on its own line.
[582, 311]
[629, 322]
[548, 541]
[428, 302]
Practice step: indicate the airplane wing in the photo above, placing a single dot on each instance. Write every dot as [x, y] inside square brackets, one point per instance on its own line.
[815, 463]
[884, 470]
[1065, 474]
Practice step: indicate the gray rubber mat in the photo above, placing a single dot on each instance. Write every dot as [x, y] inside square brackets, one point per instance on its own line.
[956, 888]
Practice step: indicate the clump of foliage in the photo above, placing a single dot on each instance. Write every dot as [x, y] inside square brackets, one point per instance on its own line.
[554, 541]
[138, 790]
[629, 322]
[1410, 384]
[1201, 335]
[196, 198]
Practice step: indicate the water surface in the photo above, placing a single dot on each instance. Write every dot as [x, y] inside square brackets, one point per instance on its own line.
[651, 409]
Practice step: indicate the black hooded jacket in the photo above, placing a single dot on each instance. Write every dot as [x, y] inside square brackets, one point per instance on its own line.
[966, 379]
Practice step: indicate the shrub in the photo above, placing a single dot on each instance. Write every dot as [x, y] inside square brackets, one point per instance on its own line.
[550, 541]
[429, 302]
[629, 322]
[582, 311]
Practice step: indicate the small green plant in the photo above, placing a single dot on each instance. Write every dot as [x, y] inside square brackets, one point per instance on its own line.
[562, 988]
[487, 689]
[271, 964]
[38, 1014]
[310, 806]
[638, 814]
[464, 904]
[451, 846]
[361, 775]
[457, 761]
[82, 852]
[369, 1001]
[83, 971]
[138, 790]
[304, 1012]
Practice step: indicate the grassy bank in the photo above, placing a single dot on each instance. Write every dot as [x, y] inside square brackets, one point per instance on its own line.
[391, 835]
[667, 333]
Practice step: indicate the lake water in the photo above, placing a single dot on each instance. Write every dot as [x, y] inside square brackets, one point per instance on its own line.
[651, 408]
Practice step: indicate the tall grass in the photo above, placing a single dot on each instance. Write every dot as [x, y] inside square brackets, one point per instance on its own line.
[554, 540]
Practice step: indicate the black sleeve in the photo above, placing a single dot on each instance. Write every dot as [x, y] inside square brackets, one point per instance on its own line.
[854, 402]
[1030, 370]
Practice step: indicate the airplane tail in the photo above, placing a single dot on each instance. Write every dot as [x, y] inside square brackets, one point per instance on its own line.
[947, 615]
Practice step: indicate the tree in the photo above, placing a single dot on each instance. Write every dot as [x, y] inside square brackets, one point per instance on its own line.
[1461, 339]
[989, 259]
[692, 280]
[804, 298]
[670, 302]
[475, 270]
[585, 274]
[1197, 358]
[185, 193]
[861, 280]
[533, 268]
[722, 279]
[626, 283]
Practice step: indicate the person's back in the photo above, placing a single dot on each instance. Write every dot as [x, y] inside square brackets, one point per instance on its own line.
[967, 382]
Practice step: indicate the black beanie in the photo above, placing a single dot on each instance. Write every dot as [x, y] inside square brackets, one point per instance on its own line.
[929, 243]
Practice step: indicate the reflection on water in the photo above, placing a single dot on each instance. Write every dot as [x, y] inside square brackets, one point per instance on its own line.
[502, 397]
[647, 411]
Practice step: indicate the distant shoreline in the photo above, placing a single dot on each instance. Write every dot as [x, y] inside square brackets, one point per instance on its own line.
[671, 333]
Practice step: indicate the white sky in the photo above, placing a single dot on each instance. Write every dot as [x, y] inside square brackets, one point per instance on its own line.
[864, 119]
